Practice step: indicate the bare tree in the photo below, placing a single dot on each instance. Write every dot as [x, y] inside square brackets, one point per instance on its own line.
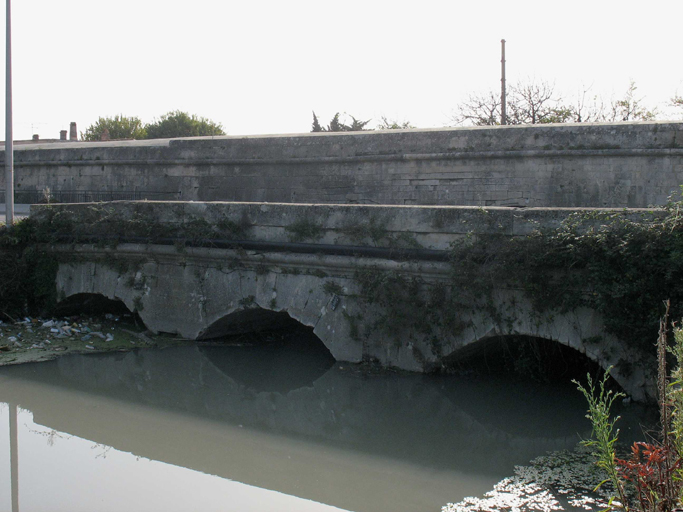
[528, 102]
[479, 110]
[676, 102]
[630, 108]
[392, 124]
[587, 109]
[533, 102]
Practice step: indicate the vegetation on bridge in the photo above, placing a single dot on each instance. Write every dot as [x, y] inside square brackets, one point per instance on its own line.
[601, 260]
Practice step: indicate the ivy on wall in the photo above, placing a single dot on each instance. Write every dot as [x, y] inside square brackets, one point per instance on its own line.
[608, 261]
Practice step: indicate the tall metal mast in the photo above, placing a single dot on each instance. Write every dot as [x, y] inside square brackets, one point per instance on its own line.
[9, 144]
[503, 107]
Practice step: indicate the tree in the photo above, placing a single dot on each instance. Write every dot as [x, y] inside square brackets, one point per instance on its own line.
[392, 124]
[536, 103]
[630, 108]
[527, 103]
[337, 125]
[316, 125]
[117, 127]
[587, 110]
[181, 124]
[479, 110]
[676, 102]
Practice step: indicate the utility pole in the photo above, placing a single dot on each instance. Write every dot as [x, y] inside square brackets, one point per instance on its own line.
[503, 113]
[9, 141]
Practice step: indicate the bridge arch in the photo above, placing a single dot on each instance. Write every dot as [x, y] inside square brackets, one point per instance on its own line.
[92, 303]
[588, 354]
[290, 354]
[247, 320]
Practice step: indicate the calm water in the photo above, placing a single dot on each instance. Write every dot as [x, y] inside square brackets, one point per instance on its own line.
[264, 429]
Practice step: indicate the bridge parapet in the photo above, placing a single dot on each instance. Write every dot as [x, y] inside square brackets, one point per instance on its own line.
[569, 165]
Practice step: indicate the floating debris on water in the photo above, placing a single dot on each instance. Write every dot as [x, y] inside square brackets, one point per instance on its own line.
[561, 481]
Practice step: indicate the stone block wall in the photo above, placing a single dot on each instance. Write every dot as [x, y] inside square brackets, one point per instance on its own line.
[569, 165]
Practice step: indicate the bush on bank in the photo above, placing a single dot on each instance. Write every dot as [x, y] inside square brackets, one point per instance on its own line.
[27, 272]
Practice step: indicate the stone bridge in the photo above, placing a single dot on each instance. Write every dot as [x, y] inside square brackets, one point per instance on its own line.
[203, 270]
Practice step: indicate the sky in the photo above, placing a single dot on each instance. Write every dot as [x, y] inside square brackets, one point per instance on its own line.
[260, 67]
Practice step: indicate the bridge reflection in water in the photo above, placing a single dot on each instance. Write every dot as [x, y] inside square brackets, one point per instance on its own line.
[349, 439]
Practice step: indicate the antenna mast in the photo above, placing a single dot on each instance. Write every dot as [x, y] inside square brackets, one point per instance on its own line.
[503, 106]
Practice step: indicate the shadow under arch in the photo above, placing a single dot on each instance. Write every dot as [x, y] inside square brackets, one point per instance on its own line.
[538, 358]
[539, 368]
[289, 355]
[93, 304]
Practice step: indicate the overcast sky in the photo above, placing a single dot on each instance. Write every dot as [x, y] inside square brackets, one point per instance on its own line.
[263, 66]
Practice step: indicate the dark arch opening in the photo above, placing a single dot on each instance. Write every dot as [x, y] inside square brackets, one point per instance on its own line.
[523, 357]
[266, 350]
[248, 320]
[95, 304]
[490, 375]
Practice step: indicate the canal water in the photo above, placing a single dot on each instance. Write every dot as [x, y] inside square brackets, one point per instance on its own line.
[265, 426]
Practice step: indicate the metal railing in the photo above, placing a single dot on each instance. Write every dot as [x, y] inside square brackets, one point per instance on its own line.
[87, 196]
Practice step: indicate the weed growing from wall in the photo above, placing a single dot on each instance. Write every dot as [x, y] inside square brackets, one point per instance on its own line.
[374, 231]
[304, 230]
[407, 305]
[108, 226]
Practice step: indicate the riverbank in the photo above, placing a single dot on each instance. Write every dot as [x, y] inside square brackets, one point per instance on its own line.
[30, 340]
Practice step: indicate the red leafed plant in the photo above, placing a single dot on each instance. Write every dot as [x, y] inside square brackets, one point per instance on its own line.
[653, 469]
